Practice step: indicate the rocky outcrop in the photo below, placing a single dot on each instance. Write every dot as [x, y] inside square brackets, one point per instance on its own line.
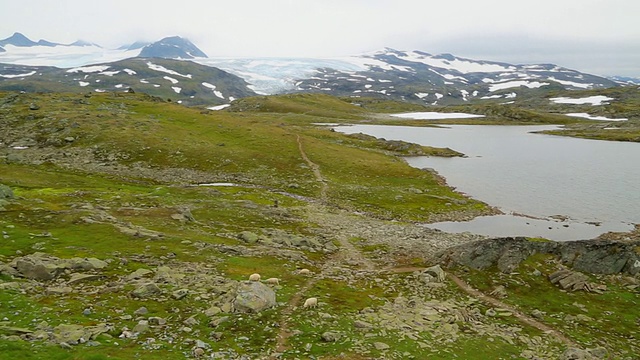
[40, 266]
[589, 256]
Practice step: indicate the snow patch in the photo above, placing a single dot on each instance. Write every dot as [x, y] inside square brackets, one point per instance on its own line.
[163, 69]
[173, 81]
[176, 89]
[421, 95]
[460, 65]
[517, 83]
[436, 115]
[218, 94]
[83, 83]
[110, 73]
[571, 83]
[129, 71]
[219, 107]
[210, 86]
[89, 69]
[17, 75]
[591, 117]
[593, 100]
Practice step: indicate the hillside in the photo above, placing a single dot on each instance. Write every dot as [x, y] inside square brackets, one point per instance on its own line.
[131, 224]
[184, 82]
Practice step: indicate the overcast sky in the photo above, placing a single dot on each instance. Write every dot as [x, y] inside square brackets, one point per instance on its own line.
[596, 36]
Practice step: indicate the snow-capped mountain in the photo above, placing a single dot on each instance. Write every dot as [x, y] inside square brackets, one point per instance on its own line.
[402, 75]
[173, 47]
[437, 79]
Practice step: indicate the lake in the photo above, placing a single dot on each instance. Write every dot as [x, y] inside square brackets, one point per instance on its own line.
[593, 183]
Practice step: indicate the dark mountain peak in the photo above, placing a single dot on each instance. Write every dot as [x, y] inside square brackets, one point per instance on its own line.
[17, 39]
[173, 47]
[445, 56]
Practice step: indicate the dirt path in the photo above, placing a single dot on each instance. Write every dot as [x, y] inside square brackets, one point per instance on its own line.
[316, 171]
[517, 314]
[347, 254]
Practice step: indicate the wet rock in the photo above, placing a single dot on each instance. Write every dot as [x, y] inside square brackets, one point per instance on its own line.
[253, 296]
[146, 291]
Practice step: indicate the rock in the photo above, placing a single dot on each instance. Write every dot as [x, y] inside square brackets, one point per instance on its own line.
[36, 270]
[191, 321]
[537, 314]
[139, 273]
[248, 237]
[77, 277]
[198, 352]
[69, 139]
[217, 321]
[87, 264]
[330, 336]
[359, 324]
[12, 330]
[34, 106]
[575, 354]
[77, 334]
[499, 292]
[141, 311]
[380, 346]
[142, 327]
[253, 296]
[212, 311]
[437, 272]
[490, 313]
[58, 290]
[6, 192]
[180, 294]
[154, 320]
[147, 290]
[570, 280]
[86, 312]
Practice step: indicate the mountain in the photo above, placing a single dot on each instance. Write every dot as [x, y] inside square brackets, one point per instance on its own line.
[83, 43]
[17, 39]
[173, 47]
[626, 80]
[136, 45]
[184, 82]
[443, 79]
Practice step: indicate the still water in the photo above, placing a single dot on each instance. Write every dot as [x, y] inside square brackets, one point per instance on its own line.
[519, 172]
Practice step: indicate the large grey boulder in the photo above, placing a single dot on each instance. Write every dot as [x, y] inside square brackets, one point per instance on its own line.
[254, 296]
[146, 291]
[5, 192]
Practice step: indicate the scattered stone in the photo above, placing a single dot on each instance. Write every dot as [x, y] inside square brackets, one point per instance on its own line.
[146, 291]
[499, 292]
[34, 106]
[490, 313]
[154, 320]
[248, 237]
[180, 294]
[6, 192]
[59, 290]
[380, 346]
[212, 311]
[330, 336]
[191, 321]
[77, 334]
[86, 312]
[139, 273]
[142, 327]
[78, 277]
[11, 330]
[359, 324]
[141, 311]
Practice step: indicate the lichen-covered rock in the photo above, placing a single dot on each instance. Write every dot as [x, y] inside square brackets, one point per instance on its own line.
[253, 296]
[146, 291]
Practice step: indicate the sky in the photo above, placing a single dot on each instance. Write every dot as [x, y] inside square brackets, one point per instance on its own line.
[594, 36]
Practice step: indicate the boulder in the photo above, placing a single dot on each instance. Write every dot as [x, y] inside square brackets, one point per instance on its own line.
[254, 296]
[437, 272]
[77, 334]
[248, 237]
[5, 192]
[146, 291]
